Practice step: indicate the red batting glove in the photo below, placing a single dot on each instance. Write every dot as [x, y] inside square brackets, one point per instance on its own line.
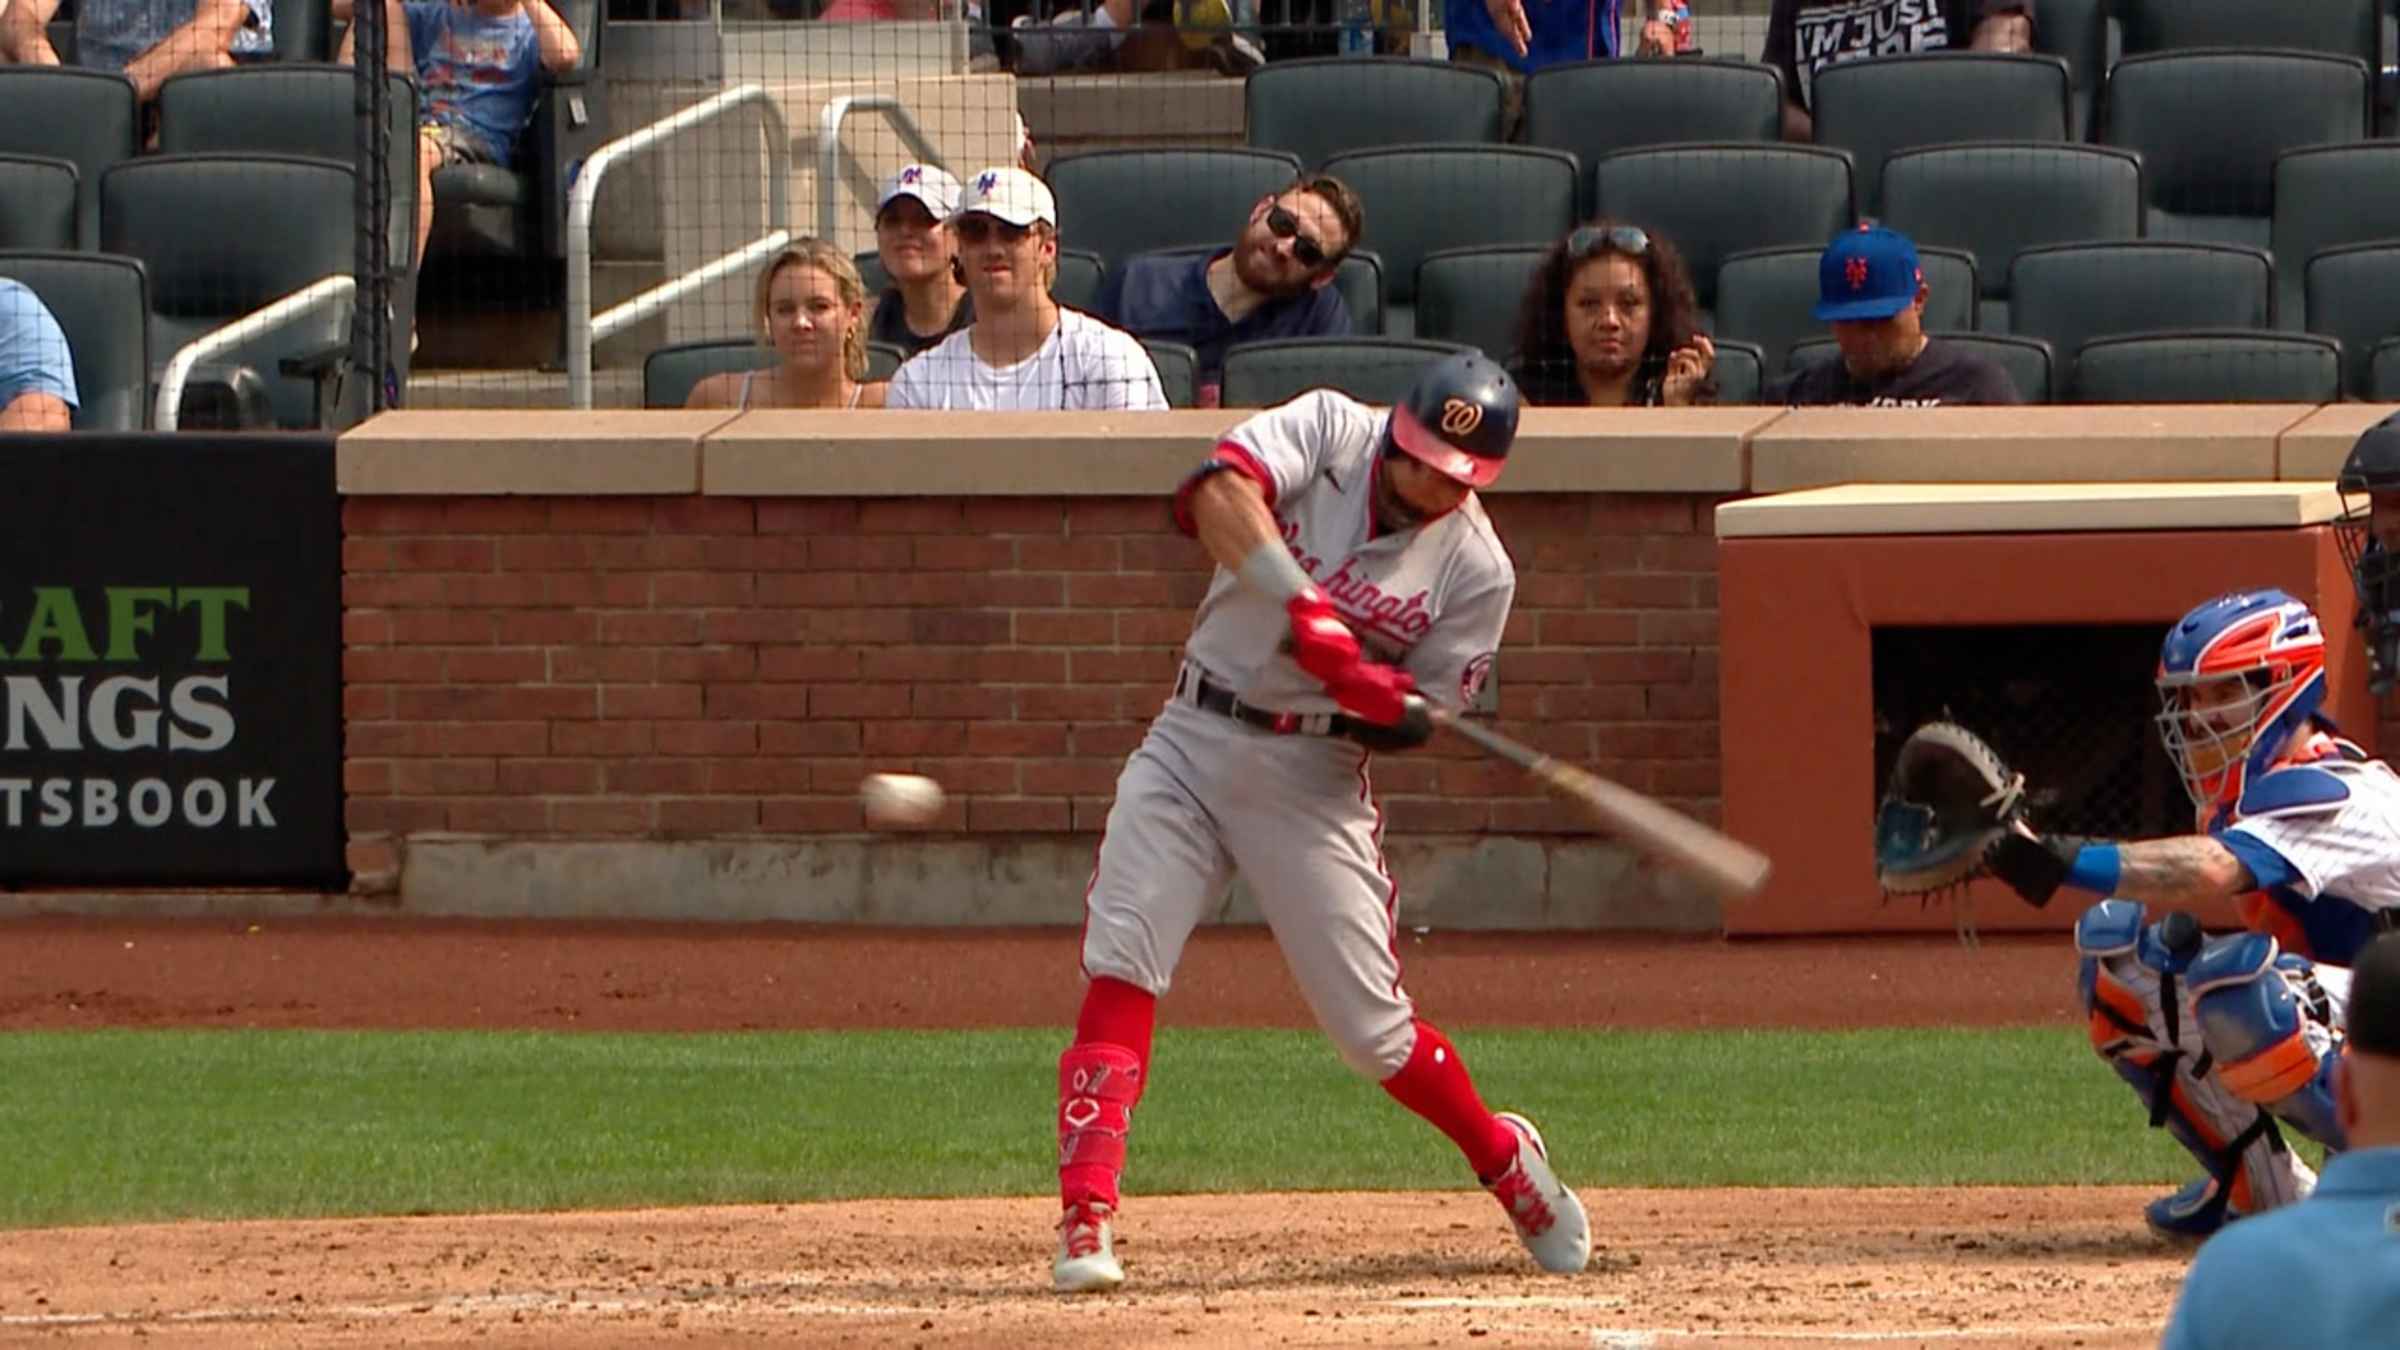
[1322, 644]
[1374, 692]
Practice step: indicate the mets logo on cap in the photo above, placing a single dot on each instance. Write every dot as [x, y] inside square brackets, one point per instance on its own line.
[1460, 417]
[1854, 271]
[985, 181]
[912, 174]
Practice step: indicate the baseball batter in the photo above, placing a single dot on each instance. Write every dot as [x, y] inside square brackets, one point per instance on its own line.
[2222, 1038]
[1357, 579]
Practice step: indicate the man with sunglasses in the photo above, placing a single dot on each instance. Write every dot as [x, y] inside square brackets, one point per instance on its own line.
[1274, 282]
[1023, 352]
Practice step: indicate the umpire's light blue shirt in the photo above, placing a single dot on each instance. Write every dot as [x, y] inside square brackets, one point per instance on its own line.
[2323, 1274]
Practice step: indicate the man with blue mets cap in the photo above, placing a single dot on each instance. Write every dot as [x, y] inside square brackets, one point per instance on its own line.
[2326, 1271]
[1871, 291]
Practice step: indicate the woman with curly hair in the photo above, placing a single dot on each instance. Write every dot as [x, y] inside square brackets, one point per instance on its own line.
[1610, 320]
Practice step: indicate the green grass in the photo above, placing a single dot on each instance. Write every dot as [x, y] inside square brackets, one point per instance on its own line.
[122, 1126]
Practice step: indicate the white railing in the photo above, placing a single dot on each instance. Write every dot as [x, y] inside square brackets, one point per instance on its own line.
[829, 148]
[300, 304]
[585, 329]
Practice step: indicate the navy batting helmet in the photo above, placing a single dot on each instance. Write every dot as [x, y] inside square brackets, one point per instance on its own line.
[1459, 418]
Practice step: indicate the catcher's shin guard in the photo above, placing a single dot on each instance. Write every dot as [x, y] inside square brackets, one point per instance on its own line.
[1098, 1085]
[2267, 1027]
[2139, 1006]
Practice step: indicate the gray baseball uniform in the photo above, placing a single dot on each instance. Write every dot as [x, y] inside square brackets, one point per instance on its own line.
[1206, 795]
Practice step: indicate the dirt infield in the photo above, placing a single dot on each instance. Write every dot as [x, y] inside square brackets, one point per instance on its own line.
[1980, 1266]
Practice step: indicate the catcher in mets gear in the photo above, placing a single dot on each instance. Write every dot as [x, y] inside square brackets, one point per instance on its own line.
[2223, 1037]
[1357, 578]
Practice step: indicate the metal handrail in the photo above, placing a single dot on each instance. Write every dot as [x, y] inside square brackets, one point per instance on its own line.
[301, 303]
[585, 330]
[829, 147]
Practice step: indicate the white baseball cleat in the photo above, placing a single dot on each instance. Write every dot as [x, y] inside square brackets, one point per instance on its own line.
[1549, 1219]
[1087, 1251]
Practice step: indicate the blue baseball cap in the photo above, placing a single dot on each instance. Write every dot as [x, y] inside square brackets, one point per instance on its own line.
[1867, 273]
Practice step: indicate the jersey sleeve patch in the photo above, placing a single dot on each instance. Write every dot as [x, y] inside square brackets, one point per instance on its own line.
[2298, 790]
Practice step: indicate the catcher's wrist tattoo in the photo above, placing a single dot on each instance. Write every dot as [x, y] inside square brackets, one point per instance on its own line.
[2181, 870]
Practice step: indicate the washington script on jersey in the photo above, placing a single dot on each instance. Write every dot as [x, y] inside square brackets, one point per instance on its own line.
[1402, 619]
[124, 678]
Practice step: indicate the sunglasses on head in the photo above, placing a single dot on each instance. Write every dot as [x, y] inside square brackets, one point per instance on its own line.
[1285, 225]
[1590, 239]
[977, 227]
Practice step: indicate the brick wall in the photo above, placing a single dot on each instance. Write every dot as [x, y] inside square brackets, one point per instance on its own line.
[689, 667]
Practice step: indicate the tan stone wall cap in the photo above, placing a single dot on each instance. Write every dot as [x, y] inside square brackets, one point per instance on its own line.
[1986, 508]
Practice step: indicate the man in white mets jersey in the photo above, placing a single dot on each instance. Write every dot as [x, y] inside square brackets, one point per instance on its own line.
[1357, 580]
[2224, 1037]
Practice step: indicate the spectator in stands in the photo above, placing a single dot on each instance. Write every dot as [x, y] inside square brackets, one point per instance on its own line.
[1805, 36]
[37, 373]
[1275, 281]
[145, 40]
[1090, 33]
[1023, 351]
[476, 63]
[927, 301]
[1519, 37]
[1871, 292]
[1610, 320]
[811, 309]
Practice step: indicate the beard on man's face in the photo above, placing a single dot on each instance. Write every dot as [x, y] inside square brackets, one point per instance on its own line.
[1256, 265]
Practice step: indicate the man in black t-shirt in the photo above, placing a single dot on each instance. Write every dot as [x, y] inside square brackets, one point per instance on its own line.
[1871, 292]
[1805, 36]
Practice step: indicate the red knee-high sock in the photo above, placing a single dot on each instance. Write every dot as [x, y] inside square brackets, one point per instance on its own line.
[1100, 1078]
[1434, 1084]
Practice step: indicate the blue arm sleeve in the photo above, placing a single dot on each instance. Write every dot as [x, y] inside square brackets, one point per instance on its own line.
[2267, 867]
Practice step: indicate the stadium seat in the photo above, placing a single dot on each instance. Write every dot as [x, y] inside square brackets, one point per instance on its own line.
[1319, 109]
[2383, 372]
[2068, 294]
[2338, 27]
[1422, 199]
[2076, 31]
[1874, 107]
[102, 304]
[86, 117]
[2327, 196]
[1373, 370]
[1359, 278]
[1178, 371]
[224, 235]
[2209, 125]
[2027, 361]
[1717, 200]
[520, 210]
[1117, 203]
[38, 197]
[1473, 295]
[2209, 367]
[871, 274]
[303, 31]
[670, 373]
[1765, 296]
[2353, 294]
[1080, 276]
[1740, 372]
[1976, 198]
[293, 109]
[1593, 108]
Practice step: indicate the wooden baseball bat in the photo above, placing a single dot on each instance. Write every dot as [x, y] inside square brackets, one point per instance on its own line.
[1727, 865]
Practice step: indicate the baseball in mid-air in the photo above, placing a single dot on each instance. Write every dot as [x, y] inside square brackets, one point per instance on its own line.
[895, 800]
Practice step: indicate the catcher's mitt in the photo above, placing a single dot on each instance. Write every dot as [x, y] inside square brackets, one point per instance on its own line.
[1949, 801]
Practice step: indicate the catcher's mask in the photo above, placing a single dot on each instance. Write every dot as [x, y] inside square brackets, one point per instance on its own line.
[2237, 677]
[2370, 486]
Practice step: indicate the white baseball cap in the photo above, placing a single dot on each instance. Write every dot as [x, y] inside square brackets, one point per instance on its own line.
[927, 183]
[1012, 195]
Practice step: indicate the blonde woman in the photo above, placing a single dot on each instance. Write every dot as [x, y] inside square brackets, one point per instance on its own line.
[811, 310]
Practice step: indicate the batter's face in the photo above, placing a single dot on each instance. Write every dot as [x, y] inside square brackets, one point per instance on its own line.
[1608, 309]
[807, 318]
[1271, 264]
[1407, 493]
[1007, 265]
[1874, 348]
[912, 244]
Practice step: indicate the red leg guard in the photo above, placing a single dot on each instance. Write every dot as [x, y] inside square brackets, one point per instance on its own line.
[1100, 1078]
[1434, 1084]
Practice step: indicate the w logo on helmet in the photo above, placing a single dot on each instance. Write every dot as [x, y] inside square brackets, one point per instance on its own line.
[1460, 417]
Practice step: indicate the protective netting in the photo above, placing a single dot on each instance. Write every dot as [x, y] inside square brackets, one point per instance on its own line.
[651, 202]
[2079, 728]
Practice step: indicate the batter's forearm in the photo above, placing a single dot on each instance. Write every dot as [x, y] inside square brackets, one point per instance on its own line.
[1229, 512]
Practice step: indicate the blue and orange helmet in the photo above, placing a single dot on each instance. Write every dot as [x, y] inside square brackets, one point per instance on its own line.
[2238, 677]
